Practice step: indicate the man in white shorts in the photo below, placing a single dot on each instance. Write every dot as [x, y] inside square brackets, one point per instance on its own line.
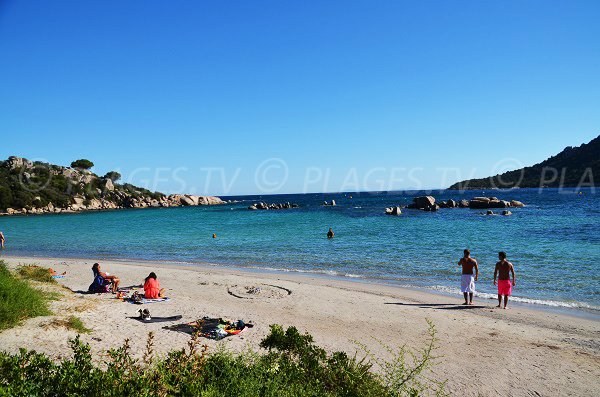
[467, 282]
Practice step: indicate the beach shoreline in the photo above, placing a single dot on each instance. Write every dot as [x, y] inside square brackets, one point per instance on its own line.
[516, 352]
[552, 306]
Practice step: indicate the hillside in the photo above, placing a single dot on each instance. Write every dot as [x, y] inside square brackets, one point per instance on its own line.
[573, 167]
[28, 187]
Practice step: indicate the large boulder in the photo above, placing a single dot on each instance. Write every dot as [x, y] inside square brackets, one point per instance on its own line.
[498, 204]
[184, 200]
[451, 203]
[14, 162]
[423, 202]
[515, 203]
[479, 203]
[463, 203]
[210, 200]
[108, 185]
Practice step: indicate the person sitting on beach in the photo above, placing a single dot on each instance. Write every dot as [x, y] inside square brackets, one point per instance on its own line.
[2, 240]
[152, 288]
[101, 280]
[503, 270]
[467, 284]
[330, 233]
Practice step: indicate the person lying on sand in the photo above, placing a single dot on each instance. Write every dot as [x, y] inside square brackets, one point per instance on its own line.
[114, 279]
[467, 284]
[503, 270]
[55, 273]
[152, 288]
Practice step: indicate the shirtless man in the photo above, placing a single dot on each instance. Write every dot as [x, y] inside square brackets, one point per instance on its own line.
[503, 270]
[2, 239]
[467, 282]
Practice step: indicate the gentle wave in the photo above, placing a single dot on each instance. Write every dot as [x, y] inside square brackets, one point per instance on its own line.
[438, 288]
[545, 302]
[316, 271]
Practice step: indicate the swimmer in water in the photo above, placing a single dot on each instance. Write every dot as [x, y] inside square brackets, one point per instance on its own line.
[330, 233]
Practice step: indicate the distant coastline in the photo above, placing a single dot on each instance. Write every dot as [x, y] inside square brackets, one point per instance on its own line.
[32, 188]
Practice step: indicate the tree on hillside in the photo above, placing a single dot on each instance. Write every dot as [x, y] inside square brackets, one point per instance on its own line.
[113, 176]
[82, 164]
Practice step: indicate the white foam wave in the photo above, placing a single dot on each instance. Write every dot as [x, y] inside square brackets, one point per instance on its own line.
[545, 302]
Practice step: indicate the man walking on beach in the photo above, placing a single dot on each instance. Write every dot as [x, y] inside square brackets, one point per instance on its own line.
[467, 282]
[2, 239]
[503, 270]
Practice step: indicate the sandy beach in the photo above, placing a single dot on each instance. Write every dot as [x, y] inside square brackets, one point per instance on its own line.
[483, 351]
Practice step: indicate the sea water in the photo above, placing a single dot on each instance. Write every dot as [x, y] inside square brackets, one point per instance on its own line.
[554, 242]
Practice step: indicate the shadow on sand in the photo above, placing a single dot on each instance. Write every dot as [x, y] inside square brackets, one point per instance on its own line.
[440, 306]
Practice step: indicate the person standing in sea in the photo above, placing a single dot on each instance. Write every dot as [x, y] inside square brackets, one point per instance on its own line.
[2, 240]
[467, 282]
[503, 270]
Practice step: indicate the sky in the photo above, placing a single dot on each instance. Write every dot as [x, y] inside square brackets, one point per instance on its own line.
[255, 97]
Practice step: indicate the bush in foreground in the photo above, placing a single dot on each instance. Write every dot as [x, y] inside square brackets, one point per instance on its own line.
[293, 366]
[18, 300]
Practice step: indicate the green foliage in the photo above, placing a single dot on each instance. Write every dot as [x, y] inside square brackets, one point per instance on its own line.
[41, 184]
[34, 272]
[82, 164]
[113, 176]
[293, 366]
[18, 300]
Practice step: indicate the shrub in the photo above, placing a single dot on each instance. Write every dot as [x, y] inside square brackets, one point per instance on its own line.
[113, 176]
[82, 163]
[293, 366]
[18, 300]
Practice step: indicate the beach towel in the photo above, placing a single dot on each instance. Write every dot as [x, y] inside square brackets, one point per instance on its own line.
[211, 328]
[58, 276]
[145, 301]
[467, 283]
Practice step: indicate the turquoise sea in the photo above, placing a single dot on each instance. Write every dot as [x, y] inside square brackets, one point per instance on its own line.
[554, 242]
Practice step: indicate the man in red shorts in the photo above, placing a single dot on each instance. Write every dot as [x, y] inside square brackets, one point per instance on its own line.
[502, 272]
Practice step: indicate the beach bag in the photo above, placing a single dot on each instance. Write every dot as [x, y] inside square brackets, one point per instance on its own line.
[99, 285]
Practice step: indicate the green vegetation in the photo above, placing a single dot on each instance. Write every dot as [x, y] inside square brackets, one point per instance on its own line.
[113, 176]
[293, 366]
[35, 185]
[72, 322]
[38, 186]
[37, 273]
[18, 300]
[82, 164]
[573, 167]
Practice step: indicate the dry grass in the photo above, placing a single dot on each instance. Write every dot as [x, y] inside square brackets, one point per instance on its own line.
[72, 322]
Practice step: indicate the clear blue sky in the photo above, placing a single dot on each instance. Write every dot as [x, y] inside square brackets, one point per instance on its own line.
[344, 86]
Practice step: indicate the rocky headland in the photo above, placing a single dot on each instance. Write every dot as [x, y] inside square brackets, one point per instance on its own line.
[28, 187]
